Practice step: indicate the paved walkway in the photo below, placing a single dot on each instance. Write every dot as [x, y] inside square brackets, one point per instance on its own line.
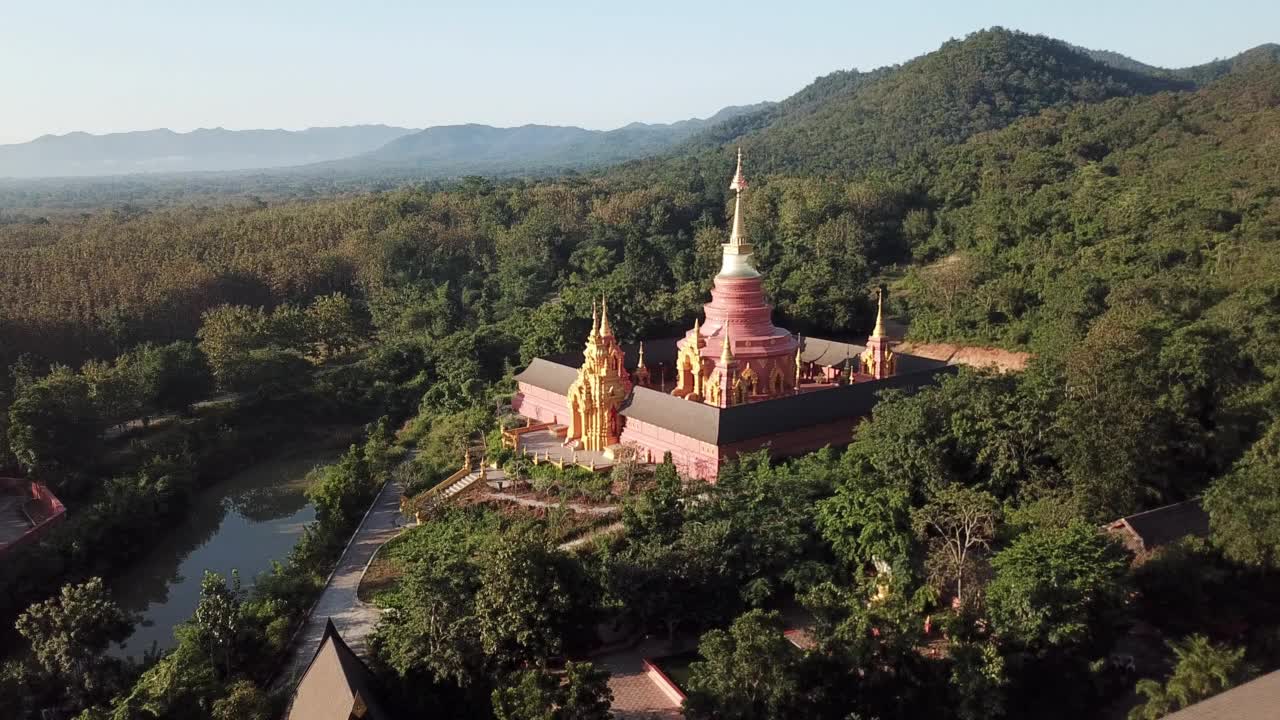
[354, 619]
[635, 696]
[534, 502]
[13, 523]
[546, 444]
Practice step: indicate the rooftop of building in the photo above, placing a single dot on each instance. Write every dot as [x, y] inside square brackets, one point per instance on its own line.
[1255, 700]
[722, 426]
[337, 685]
[1149, 530]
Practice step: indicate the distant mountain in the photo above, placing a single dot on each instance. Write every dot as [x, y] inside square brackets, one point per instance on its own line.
[855, 123]
[165, 151]
[1198, 74]
[452, 150]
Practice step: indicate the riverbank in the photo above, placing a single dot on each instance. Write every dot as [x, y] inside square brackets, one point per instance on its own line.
[241, 524]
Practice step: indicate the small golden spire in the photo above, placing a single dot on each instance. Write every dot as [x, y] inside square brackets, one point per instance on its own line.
[878, 332]
[726, 350]
[595, 320]
[739, 180]
[738, 235]
[640, 366]
[697, 333]
[605, 330]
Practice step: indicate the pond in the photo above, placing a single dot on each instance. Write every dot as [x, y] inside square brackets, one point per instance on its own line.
[242, 523]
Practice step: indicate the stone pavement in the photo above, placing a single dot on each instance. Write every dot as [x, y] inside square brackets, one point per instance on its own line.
[635, 696]
[546, 444]
[354, 619]
[13, 523]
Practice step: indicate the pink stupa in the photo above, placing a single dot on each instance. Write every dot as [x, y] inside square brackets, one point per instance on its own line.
[759, 359]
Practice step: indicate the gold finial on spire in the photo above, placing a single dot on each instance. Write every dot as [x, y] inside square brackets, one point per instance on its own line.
[697, 333]
[738, 235]
[605, 330]
[640, 366]
[736, 259]
[726, 349]
[739, 180]
[878, 332]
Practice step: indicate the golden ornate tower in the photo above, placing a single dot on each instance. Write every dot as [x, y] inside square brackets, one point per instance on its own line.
[642, 372]
[878, 360]
[600, 389]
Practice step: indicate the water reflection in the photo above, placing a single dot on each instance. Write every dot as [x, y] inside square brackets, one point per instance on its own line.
[242, 523]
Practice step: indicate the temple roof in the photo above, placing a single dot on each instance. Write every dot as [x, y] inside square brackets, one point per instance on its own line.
[549, 375]
[336, 685]
[1255, 700]
[721, 426]
[832, 353]
[1165, 525]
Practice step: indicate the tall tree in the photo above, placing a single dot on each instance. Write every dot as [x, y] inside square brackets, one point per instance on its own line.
[1056, 588]
[748, 672]
[1244, 505]
[69, 634]
[958, 523]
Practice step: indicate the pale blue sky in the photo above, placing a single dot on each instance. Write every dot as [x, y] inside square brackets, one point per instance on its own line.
[114, 65]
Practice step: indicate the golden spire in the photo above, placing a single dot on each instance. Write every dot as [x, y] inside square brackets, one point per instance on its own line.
[736, 259]
[878, 332]
[641, 365]
[739, 180]
[605, 330]
[738, 236]
[595, 320]
[697, 332]
[726, 351]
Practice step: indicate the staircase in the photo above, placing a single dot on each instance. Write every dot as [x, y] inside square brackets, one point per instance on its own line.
[461, 484]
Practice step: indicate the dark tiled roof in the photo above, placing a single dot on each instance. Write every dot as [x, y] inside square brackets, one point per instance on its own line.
[1167, 524]
[549, 375]
[741, 422]
[1255, 700]
[693, 419]
[768, 417]
[828, 353]
[833, 353]
[336, 683]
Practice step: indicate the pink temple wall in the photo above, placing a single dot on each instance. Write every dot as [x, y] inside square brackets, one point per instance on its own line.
[691, 456]
[540, 404]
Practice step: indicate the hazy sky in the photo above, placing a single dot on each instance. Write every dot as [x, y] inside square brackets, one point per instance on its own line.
[115, 65]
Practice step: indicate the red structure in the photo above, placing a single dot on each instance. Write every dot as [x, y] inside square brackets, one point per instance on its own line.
[740, 382]
[27, 511]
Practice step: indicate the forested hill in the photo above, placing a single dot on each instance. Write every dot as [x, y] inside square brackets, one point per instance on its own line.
[852, 123]
[438, 154]
[454, 150]
[160, 151]
[1199, 74]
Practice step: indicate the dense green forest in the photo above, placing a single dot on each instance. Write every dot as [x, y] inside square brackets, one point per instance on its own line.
[1123, 226]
